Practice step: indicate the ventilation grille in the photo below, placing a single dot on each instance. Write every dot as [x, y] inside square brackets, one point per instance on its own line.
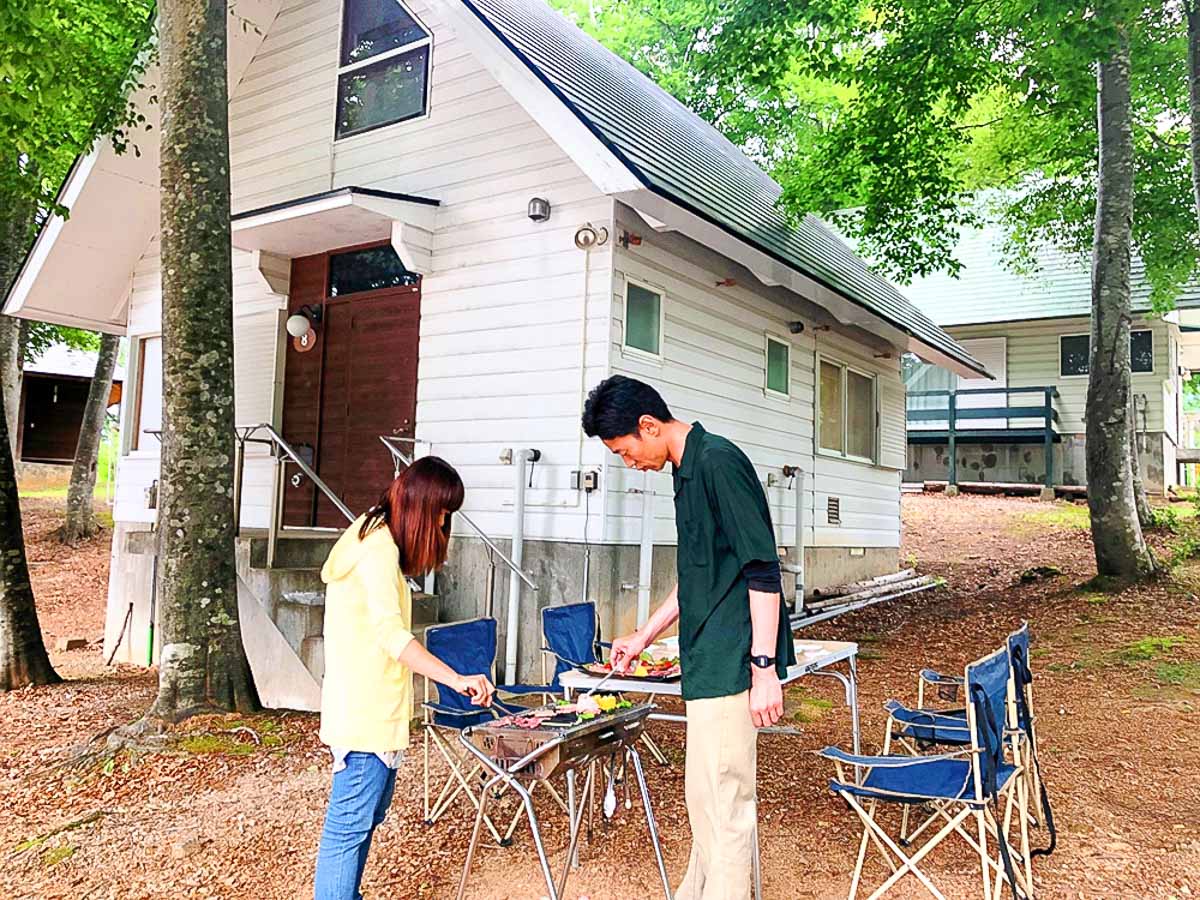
[833, 510]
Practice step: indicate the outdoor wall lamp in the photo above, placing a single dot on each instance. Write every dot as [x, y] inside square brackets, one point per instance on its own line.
[303, 320]
[539, 209]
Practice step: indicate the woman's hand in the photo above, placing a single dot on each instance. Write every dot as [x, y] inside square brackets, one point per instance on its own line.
[477, 687]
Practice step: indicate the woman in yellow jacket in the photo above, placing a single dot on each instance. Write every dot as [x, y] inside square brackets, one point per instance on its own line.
[370, 655]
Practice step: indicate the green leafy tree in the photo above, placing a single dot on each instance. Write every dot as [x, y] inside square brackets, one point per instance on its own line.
[66, 69]
[944, 115]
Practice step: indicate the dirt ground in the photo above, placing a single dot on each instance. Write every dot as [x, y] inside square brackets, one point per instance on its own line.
[235, 808]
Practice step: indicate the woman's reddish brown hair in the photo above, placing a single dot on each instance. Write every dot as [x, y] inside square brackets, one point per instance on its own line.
[412, 508]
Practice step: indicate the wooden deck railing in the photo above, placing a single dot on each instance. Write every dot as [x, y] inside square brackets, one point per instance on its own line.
[967, 419]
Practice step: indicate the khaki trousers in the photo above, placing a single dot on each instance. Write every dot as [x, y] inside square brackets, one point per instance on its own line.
[720, 785]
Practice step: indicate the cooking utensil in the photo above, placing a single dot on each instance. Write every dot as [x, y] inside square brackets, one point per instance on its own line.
[600, 683]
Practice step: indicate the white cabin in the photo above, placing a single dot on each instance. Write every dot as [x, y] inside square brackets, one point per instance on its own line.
[391, 171]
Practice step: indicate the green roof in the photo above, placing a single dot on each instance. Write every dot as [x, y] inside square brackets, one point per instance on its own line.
[676, 154]
[988, 291]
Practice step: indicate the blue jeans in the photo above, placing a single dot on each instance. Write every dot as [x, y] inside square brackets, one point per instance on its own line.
[359, 801]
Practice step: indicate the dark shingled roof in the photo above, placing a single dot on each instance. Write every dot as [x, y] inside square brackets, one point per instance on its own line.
[678, 155]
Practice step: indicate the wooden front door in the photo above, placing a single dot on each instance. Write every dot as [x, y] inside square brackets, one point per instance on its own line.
[358, 382]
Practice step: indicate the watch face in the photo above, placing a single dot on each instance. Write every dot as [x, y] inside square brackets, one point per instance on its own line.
[763, 662]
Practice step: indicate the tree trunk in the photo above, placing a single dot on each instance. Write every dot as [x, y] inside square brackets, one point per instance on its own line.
[23, 658]
[1193, 35]
[1120, 547]
[203, 664]
[81, 518]
[16, 228]
[1144, 513]
[10, 378]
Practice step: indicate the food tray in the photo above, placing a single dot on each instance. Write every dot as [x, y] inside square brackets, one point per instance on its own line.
[597, 670]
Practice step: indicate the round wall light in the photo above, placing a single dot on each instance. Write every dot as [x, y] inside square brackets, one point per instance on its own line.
[303, 320]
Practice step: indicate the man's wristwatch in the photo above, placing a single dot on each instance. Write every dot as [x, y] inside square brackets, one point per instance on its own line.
[763, 661]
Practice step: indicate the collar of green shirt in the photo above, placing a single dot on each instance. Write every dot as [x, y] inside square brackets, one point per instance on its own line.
[691, 450]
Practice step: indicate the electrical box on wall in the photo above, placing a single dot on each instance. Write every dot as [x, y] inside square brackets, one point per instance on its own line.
[585, 481]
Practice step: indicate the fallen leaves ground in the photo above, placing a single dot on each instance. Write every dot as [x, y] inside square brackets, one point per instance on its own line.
[234, 810]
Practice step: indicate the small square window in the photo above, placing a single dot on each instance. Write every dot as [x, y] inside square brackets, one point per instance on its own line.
[860, 415]
[370, 269]
[382, 93]
[643, 319]
[383, 73]
[833, 409]
[1074, 350]
[1141, 351]
[1073, 354]
[779, 366]
[148, 413]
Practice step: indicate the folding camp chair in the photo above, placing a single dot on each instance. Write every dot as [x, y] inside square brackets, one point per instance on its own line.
[923, 727]
[572, 635]
[469, 648]
[961, 785]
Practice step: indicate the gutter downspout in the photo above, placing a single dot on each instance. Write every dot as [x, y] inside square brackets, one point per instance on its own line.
[645, 552]
[795, 564]
[512, 624]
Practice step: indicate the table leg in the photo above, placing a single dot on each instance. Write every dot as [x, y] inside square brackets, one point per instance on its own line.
[575, 827]
[650, 823]
[756, 863]
[852, 700]
[537, 836]
[572, 857]
[483, 801]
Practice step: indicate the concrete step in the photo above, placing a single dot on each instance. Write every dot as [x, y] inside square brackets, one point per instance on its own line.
[292, 552]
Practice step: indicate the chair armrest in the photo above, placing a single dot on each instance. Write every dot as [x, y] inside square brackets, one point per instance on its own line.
[944, 719]
[882, 762]
[520, 690]
[443, 710]
[931, 676]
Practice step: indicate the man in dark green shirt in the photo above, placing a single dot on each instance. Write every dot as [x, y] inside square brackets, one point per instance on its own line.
[734, 641]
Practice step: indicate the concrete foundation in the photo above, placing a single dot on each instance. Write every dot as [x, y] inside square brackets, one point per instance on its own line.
[557, 569]
[1026, 463]
[291, 595]
[43, 476]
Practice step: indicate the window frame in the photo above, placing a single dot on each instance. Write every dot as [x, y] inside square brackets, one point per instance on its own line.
[873, 378]
[638, 352]
[134, 447]
[768, 339]
[1088, 335]
[341, 70]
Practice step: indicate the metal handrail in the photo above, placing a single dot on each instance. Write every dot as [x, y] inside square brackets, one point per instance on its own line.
[277, 439]
[399, 455]
[278, 445]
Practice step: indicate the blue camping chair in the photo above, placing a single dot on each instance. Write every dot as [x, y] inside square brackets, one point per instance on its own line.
[572, 635]
[969, 783]
[923, 727]
[469, 648]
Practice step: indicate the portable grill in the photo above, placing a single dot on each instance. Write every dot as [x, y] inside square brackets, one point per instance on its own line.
[519, 757]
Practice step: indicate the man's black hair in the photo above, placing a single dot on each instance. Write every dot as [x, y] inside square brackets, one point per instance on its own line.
[615, 405]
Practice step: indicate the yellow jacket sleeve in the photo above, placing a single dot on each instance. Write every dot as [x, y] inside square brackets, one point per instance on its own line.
[385, 592]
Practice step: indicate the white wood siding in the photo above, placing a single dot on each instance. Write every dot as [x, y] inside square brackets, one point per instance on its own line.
[255, 341]
[502, 322]
[713, 370]
[1033, 349]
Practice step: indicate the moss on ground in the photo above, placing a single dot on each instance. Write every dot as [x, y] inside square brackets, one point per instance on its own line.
[52, 856]
[236, 740]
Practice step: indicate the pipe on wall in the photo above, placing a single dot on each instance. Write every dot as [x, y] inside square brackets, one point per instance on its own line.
[521, 459]
[645, 551]
[795, 565]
